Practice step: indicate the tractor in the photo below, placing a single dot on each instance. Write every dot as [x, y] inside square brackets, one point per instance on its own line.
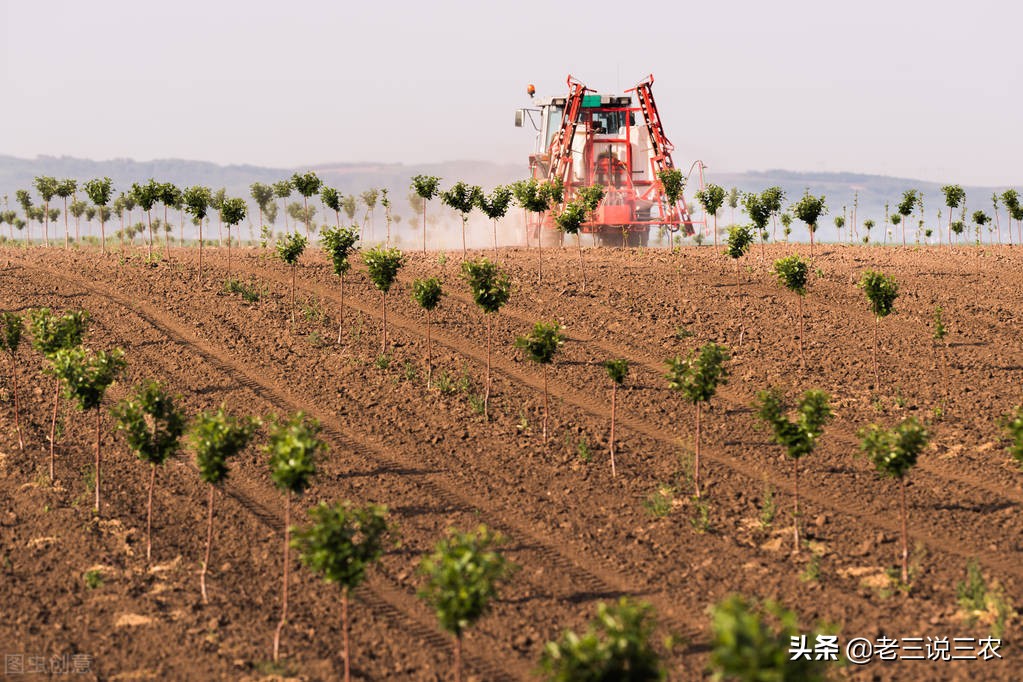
[617, 141]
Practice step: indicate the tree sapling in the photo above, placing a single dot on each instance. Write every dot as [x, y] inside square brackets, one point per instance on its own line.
[463, 198]
[197, 202]
[881, 292]
[617, 370]
[462, 578]
[799, 438]
[711, 198]
[809, 209]
[11, 328]
[893, 452]
[339, 243]
[490, 289]
[342, 542]
[289, 250]
[152, 425]
[495, 206]
[698, 377]
[293, 449]
[427, 292]
[215, 438]
[426, 188]
[540, 346]
[86, 377]
[382, 265]
[793, 273]
[233, 212]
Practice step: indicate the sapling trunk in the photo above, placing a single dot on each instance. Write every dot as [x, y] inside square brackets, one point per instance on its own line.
[486, 393]
[877, 380]
[795, 503]
[53, 425]
[228, 250]
[539, 251]
[905, 531]
[696, 463]
[545, 407]
[284, 584]
[611, 445]
[802, 358]
[149, 219]
[458, 657]
[344, 630]
[97, 459]
[383, 333]
[149, 515]
[582, 265]
[429, 351]
[200, 250]
[341, 316]
[209, 545]
[67, 237]
[293, 293]
[463, 238]
[424, 227]
[103, 234]
[495, 241]
[17, 410]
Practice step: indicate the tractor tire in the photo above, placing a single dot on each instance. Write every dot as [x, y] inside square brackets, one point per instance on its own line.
[637, 239]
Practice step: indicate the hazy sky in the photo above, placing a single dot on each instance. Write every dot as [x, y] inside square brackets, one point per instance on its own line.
[931, 90]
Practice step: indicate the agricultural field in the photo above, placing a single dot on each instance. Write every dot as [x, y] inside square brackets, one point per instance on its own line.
[260, 336]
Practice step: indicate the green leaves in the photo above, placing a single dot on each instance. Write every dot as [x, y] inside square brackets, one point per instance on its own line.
[712, 197]
[698, 376]
[426, 186]
[86, 375]
[981, 218]
[151, 423]
[615, 646]
[233, 210]
[809, 209]
[591, 196]
[293, 448]
[792, 272]
[216, 437]
[99, 190]
[339, 243]
[745, 647]
[12, 326]
[290, 247]
[739, 239]
[282, 189]
[571, 218]
[490, 287]
[537, 197]
[617, 370]
[798, 437]
[757, 210]
[772, 198]
[307, 184]
[541, 344]
[910, 198]
[66, 188]
[146, 195]
[46, 186]
[342, 541]
[262, 194]
[51, 333]
[198, 200]
[495, 205]
[939, 325]
[954, 195]
[893, 452]
[427, 292]
[462, 577]
[331, 198]
[382, 265]
[673, 183]
[881, 291]
[1013, 425]
[462, 198]
[170, 195]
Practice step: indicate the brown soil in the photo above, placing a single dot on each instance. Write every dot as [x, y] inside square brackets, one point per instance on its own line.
[579, 535]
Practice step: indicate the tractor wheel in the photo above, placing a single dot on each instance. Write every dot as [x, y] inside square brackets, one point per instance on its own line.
[639, 238]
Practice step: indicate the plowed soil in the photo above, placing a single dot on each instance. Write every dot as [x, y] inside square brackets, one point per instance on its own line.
[579, 535]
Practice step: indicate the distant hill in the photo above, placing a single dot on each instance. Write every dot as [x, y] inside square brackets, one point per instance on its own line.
[872, 191]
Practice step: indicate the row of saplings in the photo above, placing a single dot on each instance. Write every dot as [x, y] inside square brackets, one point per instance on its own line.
[343, 541]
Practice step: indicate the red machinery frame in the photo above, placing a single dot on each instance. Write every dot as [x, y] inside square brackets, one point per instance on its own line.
[617, 212]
